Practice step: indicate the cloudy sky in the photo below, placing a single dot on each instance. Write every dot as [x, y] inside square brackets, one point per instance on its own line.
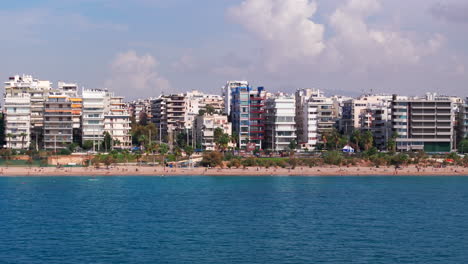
[142, 47]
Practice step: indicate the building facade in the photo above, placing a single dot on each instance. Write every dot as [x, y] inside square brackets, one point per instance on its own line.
[227, 91]
[280, 125]
[204, 127]
[117, 123]
[464, 119]
[424, 123]
[248, 116]
[17, 116]
[377, 120]
[38, 91]
[95, 106]
[58, 122]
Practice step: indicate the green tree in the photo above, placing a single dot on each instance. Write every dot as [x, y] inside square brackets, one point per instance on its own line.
[223, 141]
[218, 132]
[107, 142]
[188, 151]
[177, 153]
[23, 137]
[463, 146]
[367, 140]
[292, 145]
[107, 160]
[356, 139]
[143, 118]
[142, 140]
[333, 157]
[212, 159]
[210, 109]
[181, 139]
[87, 144]
[163, 149]
[9, 136]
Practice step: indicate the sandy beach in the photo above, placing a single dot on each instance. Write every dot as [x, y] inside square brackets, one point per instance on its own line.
[251, 171]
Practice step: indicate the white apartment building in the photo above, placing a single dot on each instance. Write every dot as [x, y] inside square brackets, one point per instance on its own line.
[174, 112]
[69, 89]
[377, 120]
[95, 106]
[58, 122]
[17, 112]
[425, 123]
[205, 126]
[315, 116]
[280, 126]
[38, 91]
[227, 93]
[464, 119]
[117, 123]
[353, 108]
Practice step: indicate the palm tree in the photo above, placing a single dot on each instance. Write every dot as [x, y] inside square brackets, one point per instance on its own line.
[368, 140]
[163, 149]
[189, 152]
[356, 138]
[23, 136]
[9, 136]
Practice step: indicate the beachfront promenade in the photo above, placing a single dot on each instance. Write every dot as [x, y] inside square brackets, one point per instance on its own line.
[251, 171]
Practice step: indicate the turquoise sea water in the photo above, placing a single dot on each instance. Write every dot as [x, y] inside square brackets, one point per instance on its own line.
[234, 220]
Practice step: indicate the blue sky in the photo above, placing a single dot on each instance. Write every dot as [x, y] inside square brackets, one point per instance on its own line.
[144, 47]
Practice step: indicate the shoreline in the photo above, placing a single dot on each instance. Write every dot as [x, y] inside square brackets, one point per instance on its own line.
[251, 171]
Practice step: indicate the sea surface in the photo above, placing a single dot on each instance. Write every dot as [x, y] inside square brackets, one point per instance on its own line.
[217, 220]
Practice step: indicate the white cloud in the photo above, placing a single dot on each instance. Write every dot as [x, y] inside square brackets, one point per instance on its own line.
[291, 41]
[283, 27]
[360, 46]
[136, 75]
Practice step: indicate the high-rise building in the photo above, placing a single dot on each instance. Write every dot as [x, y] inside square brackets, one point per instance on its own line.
[280, 126]
[159, 113]
[205, 125]
[58, 121]
[248, 115]
[117, 123]
[141, 108]
[72, 93]
[316, 115]
[38, 91]
[95, 106]
[464, 119]
[377, 120]
[177, 112]
[424, 123]
[17, 111]
[227, 91]
[353, 109]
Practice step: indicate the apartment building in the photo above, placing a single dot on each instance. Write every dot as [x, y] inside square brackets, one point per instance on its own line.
[170, 115]
[178, 112]
[280, 126]
[248, 116]
[17, 110]
[141, 107]
[464, 119]
[58, 121]
[159, 116]
[117, 123]
[316, 115]
[377, 120]
[227, 91]
[205, 126]
[38, 91]
[95, 106]
[424, 123]
[354, 108]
